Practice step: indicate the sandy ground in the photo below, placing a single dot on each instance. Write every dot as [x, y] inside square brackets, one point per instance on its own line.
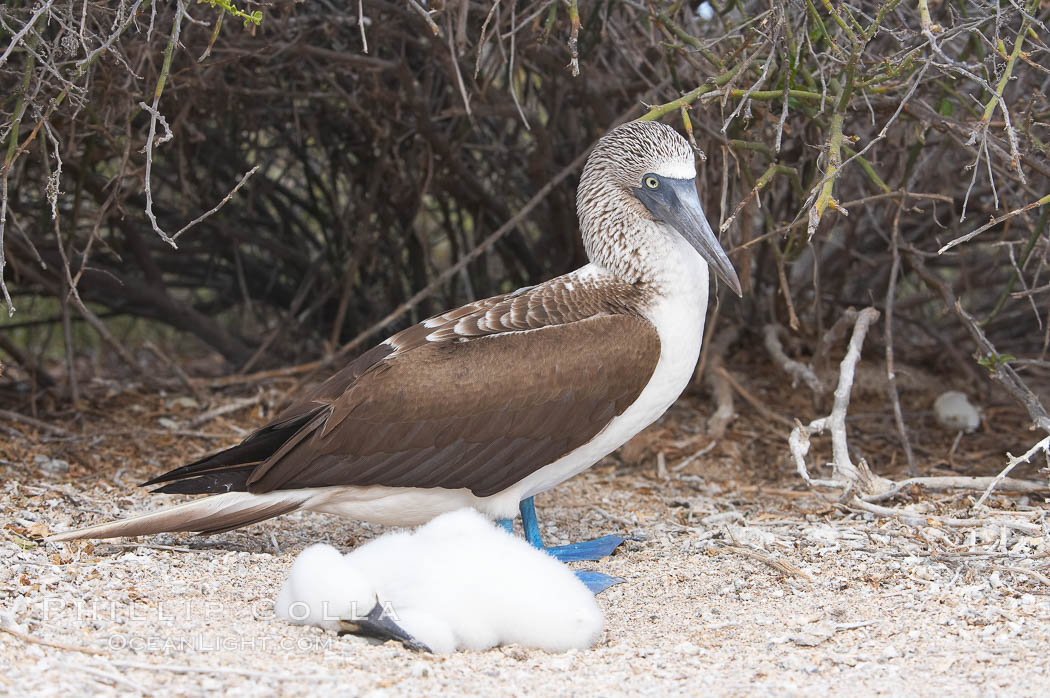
[743, 583]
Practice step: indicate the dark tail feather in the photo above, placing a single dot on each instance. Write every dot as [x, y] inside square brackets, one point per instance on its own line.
[228, 471]
[234, 479]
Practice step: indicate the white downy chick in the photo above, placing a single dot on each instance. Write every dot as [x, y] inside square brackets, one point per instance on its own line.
[458, 582]
[323, 587]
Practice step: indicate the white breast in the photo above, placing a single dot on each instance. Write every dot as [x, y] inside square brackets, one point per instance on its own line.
[678, 315]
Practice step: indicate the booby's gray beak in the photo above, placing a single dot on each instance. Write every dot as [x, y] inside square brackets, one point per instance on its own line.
[675, 202]
[380, 625]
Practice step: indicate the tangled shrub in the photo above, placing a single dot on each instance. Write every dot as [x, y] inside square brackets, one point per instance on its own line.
[864, 152]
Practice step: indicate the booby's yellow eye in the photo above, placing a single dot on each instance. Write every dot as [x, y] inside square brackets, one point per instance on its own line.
[652, 182]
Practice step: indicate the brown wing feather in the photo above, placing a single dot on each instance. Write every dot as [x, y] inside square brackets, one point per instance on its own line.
[480, 414]
[229, 470]
[477, 397]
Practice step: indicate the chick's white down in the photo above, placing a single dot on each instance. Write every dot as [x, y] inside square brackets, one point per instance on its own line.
[458, 582]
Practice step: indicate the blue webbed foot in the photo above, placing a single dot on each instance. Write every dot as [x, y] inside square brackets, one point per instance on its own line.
[596, 581]
[586, 550]
[573, 552]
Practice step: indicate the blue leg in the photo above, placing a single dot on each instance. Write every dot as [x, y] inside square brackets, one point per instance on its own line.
[508, 525]
[573, 552]
[530, 523]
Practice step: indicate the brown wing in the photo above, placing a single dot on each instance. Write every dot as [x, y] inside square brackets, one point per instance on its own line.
[480, 414]
[478, 397]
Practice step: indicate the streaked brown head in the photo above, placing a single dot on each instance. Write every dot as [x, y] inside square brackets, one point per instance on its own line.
[638, 173]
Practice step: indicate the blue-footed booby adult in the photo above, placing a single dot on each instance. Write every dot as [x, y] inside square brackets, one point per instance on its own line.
[491, 403]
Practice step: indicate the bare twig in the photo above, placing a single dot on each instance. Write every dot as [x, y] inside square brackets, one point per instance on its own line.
[217, 206]
[511, 76]
[752, 400]
[177, 370]
[779, 564]
[956, 482]
[574, 34]
[1013, 462]
[994, 222]
[686, 462]
[832, 336]
[847, 475]
[924, 520]
[47, 643]
[717, 378]
[1037, 576]
[224, 671]
[15, 40]
[425, 15]
[891, 375]
[176, 26]
[9, 159]
[361, 25]
[797, 370]
[233, 406]
[35, 423]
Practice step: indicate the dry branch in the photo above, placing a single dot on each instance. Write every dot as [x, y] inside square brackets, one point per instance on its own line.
[869, 487]
[797, 370]
[923, 520]
[957, 482]
[717, 379]
[47, 643]
[1012, 463]
[752, 400]
[846, 475]
[891, 374]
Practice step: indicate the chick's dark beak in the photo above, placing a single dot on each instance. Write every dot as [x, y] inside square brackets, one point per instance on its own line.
[380, 624]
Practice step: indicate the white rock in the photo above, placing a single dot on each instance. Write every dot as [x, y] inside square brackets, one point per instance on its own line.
[954, 411]
[458, 582]
[822, 533]
[890, 652]
[53, 466]
[687, 648]
[753, 536]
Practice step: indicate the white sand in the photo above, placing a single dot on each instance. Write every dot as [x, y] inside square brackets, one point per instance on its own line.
[889, 611]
